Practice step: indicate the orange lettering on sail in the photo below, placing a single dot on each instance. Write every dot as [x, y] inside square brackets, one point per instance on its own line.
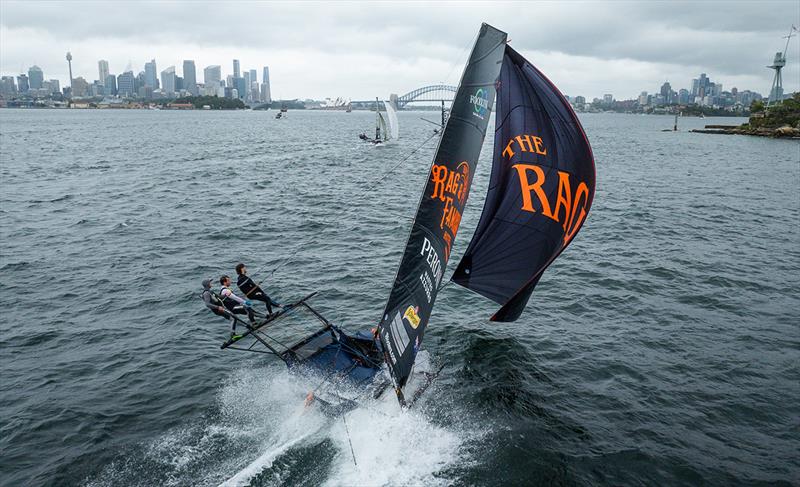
[564, 198]
[535, 187]
[525, 143]
[439, 174]
[581, 199]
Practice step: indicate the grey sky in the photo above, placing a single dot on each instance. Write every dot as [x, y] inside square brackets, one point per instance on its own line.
[360, 50]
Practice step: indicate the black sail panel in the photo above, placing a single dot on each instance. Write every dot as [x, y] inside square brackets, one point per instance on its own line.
[540, 191]
[424, 261]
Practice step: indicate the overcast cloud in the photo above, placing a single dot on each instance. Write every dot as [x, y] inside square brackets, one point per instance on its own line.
[360, 50]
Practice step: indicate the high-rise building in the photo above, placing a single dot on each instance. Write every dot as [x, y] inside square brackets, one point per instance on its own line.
[150, 74]
[111, 85]
[212, 75]
[666, 92]
[608, 99]
[35, 77]
[236, 73]
[266, 96]
[168, 81]
[80, 87]
[190, 77]
[7, 86]
[126, 84]
[683, 96]
[102, 71]
[246, 77]
[240, 87]
[22, 83]
[253, 76]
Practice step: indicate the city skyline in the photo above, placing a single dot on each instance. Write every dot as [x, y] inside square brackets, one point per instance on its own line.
[623, 49]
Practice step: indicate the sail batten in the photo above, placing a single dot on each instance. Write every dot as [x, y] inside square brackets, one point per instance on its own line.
[442, 203]
[540, 191]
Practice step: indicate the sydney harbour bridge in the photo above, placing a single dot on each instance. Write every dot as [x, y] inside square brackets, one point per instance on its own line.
[432, 94]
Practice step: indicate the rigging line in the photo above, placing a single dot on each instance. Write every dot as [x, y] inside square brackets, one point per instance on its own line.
[363, 193]
[349, 441]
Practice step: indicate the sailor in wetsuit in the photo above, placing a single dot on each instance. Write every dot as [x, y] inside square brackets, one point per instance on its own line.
[251, 290]
[214, 303]
[234, 304]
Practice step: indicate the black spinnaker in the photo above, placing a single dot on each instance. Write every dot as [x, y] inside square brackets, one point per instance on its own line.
[540, 191]
[403, 323]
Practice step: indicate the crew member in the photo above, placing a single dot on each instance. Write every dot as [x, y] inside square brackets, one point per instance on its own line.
[251, 290]
[217, 306]
[234, 303]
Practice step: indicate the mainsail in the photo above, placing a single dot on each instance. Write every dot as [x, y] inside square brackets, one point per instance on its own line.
[403, 322]
[391, 116]
[540, 191]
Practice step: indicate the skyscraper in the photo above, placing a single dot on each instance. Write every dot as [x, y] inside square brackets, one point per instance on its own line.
[22, 83]
[266, 96]
[111, 85]
[253, 76]
[189, 77]
[7, 86]
[35, 77]
[212, 75]
[240, 87]
[150, 75]
[168, 80]
[236, 73]
[102, 71]
[125, 84]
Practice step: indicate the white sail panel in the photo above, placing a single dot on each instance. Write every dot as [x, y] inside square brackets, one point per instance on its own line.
[391, 115]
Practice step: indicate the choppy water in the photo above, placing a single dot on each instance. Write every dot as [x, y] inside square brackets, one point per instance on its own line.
[661, 349]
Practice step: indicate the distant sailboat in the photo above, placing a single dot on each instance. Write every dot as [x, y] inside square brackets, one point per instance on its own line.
[386, 127]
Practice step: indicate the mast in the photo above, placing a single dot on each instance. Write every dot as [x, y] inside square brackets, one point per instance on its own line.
[377, 120]
[433, 232]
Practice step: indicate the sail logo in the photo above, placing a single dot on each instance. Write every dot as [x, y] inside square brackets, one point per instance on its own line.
[480, 103]
[571, 202]
[450, 186]
[412, 316]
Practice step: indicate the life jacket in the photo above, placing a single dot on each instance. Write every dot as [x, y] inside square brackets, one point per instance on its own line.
[227, 301]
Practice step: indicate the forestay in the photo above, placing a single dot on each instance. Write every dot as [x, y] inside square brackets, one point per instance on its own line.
[540, 191]
[438, 217]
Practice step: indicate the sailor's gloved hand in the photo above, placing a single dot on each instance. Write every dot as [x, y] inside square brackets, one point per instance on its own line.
[248, 303]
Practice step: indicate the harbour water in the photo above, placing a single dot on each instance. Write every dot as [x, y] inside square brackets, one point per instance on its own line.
[662, 348]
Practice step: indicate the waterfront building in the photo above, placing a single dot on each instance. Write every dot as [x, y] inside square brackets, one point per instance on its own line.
[22, 83]
[253, 76]
[266, 95]
[168, 81]
[642, 98]
[35, 77]
[608, 99]
[102, 71]
[7, 86]
[80, 87]
[111, 85]
[125, 84]
[246, 77]
[190, 77]
[150, 74]
[236, 73]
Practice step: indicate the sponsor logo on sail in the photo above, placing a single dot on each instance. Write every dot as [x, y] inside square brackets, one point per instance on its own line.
[480, 103]
[412, 315]
[450, 186]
